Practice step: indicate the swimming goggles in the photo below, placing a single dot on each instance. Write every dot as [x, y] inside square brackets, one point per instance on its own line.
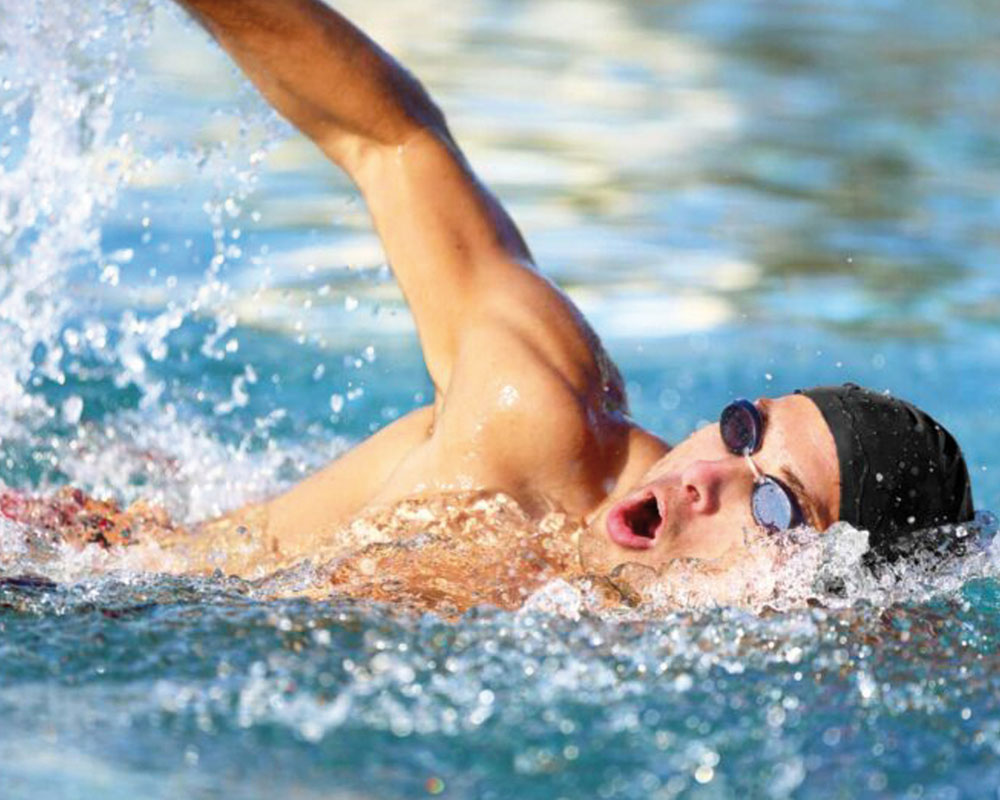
[773, 505]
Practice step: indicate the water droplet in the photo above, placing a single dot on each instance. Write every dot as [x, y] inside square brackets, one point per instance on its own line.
[72, 410]
[110, 275]
[704, 774]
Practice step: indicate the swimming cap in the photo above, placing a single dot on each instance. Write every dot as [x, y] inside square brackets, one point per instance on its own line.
[900, 471]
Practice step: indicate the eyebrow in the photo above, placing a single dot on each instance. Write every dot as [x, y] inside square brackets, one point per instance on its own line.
[809, 507]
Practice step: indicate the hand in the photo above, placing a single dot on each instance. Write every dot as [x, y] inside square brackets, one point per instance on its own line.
[73, 517]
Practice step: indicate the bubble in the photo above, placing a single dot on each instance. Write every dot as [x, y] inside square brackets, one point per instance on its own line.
[669, 399]
[704, 774]
[72, 410]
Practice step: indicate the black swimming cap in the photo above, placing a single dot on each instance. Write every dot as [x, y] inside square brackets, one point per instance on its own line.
[900, 471]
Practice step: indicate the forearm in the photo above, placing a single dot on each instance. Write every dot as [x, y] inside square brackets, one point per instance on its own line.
[321, 72]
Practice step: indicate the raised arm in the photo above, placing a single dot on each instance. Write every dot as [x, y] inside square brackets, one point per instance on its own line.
[322, 73]
[453, 248]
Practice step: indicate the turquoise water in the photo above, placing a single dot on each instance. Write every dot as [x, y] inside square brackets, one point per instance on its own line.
[744, 198]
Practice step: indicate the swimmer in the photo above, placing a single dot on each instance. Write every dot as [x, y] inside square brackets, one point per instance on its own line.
[527, 403]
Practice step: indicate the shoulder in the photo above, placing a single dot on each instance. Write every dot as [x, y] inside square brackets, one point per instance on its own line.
[534, 409]
[525, 328]
[532, 354]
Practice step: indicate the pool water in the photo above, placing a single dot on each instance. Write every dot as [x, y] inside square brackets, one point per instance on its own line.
[743, 197]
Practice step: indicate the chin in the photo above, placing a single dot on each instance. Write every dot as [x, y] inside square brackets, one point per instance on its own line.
[596, 554]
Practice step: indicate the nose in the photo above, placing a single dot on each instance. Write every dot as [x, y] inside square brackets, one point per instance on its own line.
[704, 482]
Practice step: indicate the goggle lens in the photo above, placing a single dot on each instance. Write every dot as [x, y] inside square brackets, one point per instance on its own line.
[741, 427]
[773, 506]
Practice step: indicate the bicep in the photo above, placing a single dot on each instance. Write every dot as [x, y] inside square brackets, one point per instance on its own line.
[450, 243]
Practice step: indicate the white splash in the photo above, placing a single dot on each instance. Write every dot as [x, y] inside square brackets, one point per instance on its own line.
[63, 65]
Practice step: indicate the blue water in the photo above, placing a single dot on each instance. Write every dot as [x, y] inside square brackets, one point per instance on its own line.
[744, 198]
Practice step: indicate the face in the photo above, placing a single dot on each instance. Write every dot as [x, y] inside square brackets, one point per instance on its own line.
[694, 503]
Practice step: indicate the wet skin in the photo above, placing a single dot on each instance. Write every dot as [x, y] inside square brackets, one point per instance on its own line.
[694, 502]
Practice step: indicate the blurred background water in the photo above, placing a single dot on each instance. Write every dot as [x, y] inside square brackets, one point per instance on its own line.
[745, 197]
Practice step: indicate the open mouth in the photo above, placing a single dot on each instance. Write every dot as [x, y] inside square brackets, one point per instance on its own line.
[635, 523]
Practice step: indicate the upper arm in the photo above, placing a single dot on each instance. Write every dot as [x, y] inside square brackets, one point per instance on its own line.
[457, 255]
[455, 251]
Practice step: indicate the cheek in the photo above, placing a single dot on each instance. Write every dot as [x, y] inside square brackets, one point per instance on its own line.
[714, 537]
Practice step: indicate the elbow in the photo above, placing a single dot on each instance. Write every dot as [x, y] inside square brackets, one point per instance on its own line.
[424, 114]
[417, 107]
[401, 112]
[364, 155]
[367, 159]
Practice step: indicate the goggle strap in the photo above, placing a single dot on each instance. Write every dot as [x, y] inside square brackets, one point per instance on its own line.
[758, 476]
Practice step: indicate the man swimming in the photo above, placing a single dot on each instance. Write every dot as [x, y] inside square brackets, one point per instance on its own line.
[526, 402]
